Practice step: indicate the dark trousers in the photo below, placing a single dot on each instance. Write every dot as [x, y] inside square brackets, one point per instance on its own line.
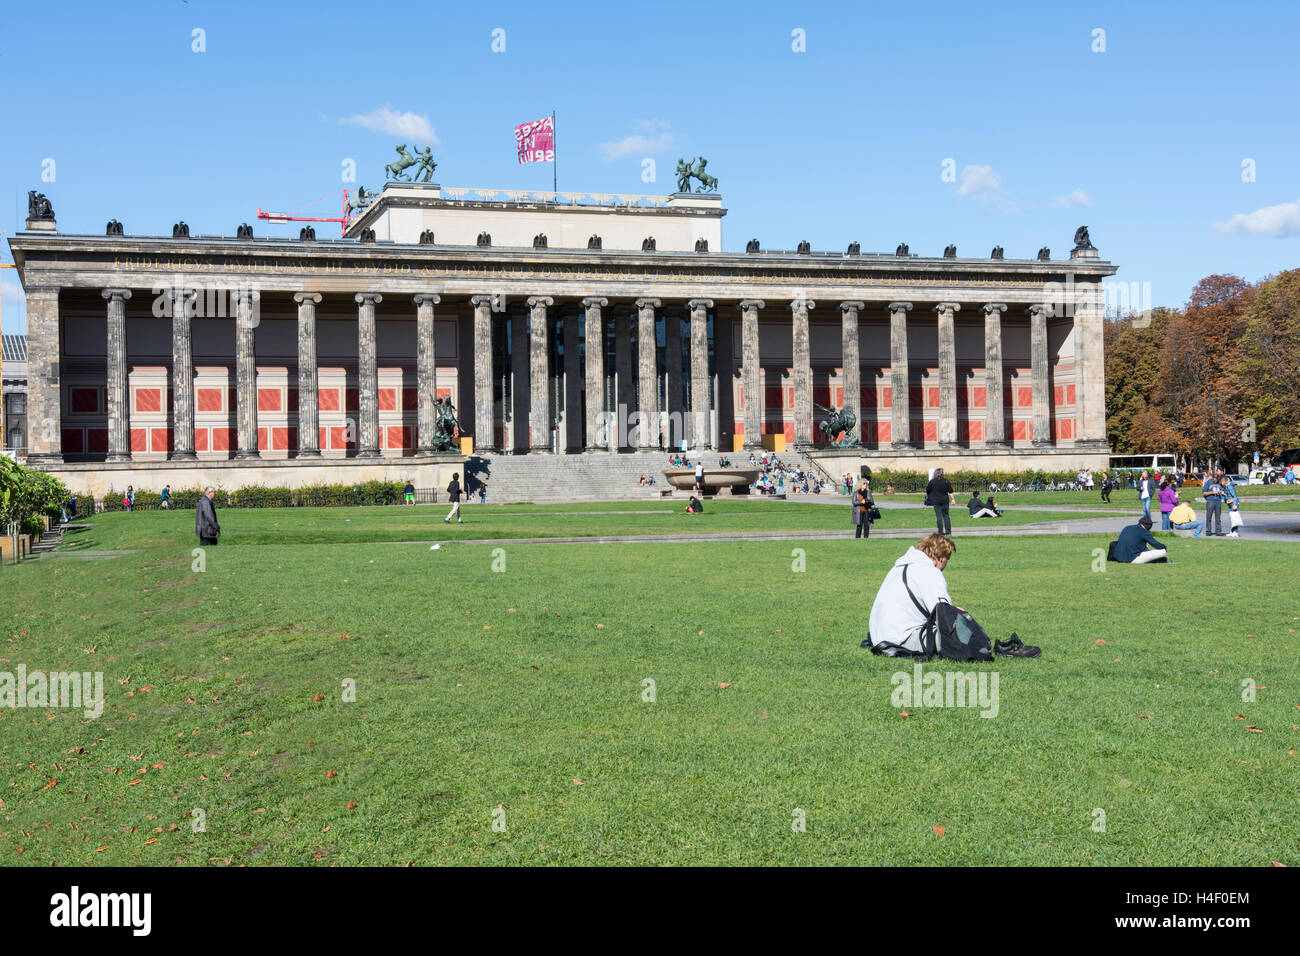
[1213, 516]
[207, 541]
[942, 519]
[863, 528]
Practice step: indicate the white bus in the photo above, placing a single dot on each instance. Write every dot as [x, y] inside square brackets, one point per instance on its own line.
[1136, 464]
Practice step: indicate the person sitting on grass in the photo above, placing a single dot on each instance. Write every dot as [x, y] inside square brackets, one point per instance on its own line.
[979, 508]
[694, 506]
[1136, 545]
[907, 600]
[1183, 518]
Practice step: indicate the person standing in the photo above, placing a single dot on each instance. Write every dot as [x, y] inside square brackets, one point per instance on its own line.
[408, 493]
[129, 499]
[862, 503]
[205, 517]
[938, 495]
[1232, 502]
[1213, 493]
[1168, 496]
[453, 495]
[1146, 491]
[1106, 486]
[165, 503]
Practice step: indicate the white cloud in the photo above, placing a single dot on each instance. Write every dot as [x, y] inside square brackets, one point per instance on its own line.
[1076, 197]
[656, 138]
[1276, 222]
[979, 182]
[413, 127]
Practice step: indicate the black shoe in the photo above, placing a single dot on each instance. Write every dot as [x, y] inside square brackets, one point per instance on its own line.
[1015, 647]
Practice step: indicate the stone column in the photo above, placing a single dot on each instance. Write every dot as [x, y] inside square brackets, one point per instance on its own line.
[426, 369]
[995, 433]
[182, 374]
[700, 434]
[367, 376]
[119, 432]
[751, 372]
[44, 386]
[308, 387]
[852, 362]
[803, 404]
[947, 373]
[1090, 367]
[597, 421]
[539, 410]
[1039, 373]
[900, 413]
[622, 377]
[647, 373]
[245, 376]
[571, 440]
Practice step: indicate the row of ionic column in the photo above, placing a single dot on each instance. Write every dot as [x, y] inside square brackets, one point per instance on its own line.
[900, 408]
[246, 322]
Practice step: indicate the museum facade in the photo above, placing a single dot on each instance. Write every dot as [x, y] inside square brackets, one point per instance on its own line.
[554, 324]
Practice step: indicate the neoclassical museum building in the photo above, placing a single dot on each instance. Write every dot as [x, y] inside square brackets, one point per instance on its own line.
[556, 324]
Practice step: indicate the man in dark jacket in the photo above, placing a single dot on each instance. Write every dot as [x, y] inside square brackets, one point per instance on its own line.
[979, 508]
[1132, 547]
[205, 518]
[453, 495]
[938, 494]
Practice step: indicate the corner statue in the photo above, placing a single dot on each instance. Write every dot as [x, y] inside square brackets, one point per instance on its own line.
[695, 170]
[425, 166]
[836, 422]
[1081, 240]
[445, 424]
[38, 207]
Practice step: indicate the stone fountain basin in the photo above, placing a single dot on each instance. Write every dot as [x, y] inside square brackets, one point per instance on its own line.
[715, 479]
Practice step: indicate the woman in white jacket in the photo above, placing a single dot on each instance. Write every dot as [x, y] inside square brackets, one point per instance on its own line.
[895, 618]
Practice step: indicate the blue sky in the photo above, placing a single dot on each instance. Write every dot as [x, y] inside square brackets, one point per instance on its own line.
[844, 141]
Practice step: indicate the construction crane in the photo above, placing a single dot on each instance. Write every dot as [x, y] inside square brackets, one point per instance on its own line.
[342, 218]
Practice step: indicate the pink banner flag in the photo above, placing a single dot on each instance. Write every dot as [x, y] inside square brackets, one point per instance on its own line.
[536, 141]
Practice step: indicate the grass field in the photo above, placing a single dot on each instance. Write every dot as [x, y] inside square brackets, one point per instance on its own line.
[307, 526]
[520, 692]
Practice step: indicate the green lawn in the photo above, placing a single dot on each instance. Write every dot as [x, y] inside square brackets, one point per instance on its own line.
[522, 689]
[150, 529]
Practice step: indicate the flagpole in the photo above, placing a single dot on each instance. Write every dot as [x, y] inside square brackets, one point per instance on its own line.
[555, 164]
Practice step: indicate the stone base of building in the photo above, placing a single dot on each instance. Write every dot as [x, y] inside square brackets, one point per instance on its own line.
[1064, 458]
[95, 478]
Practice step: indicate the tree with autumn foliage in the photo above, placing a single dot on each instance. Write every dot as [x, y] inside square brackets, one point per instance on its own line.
[1223, 371]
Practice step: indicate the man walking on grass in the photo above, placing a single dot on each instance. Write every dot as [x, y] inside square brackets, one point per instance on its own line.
[205, 517]
[1213, 504]
[453, 495]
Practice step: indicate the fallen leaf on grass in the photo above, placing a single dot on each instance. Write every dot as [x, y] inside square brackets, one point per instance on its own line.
[903, 713]
[1254, 730]
[938, 830]
[100, 849]
[722, 685]
[1145, 716]
[150, 840]
[1240, 717]
[331, 774]
[1100, 641]
[318, 697]
[52, 783]
[577, 782]
[351, 806]
[1276, 863]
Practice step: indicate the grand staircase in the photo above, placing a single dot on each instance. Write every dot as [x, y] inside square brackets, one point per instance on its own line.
[590, 476]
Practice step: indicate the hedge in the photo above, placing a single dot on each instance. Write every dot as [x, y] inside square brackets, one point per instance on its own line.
[262, 496]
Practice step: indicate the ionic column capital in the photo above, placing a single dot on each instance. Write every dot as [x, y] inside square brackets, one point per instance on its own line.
[752, 305]
[1043, 309]
[114, 294]
[896, 307]
[599, 302]
[540, 301]
[700, 304]
[482, 301]
[852, 305]
[802, 305]
[948, 307]
[420, 298]
[304, 297]
[368, 298]
[649, 303]
[994, 307]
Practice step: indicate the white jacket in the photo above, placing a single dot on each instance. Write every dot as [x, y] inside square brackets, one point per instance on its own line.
[894, 618]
